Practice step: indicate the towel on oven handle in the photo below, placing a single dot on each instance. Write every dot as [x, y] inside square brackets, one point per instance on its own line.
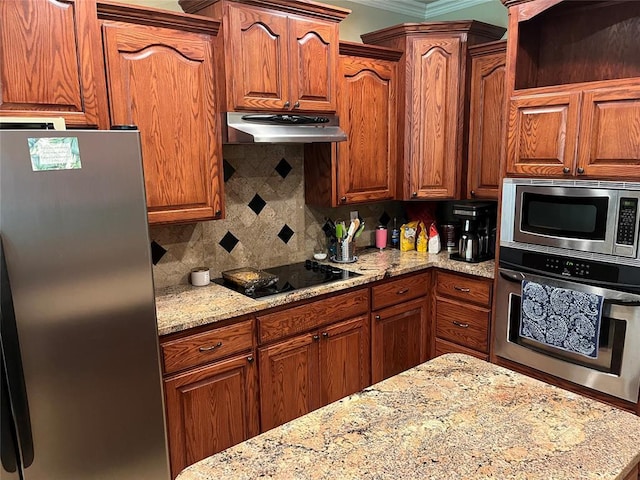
[561, 318]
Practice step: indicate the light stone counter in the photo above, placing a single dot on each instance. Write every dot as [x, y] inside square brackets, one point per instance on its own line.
[182, 307]
[454, 417]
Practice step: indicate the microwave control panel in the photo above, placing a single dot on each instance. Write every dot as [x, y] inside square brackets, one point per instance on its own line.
[627, 221]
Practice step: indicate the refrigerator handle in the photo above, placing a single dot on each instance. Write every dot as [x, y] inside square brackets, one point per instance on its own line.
[9, 459]
[13, 378]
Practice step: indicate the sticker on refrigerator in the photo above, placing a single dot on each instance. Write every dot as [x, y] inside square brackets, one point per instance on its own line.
[58, 153]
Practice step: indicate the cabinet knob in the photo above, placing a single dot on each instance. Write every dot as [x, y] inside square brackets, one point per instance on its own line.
[218, 213]
[250, 359]
[296, 105]
[414, 194]
[315, 338]
[377, 317]
[287, 104]
[580, 170]
[325, 334]
[473, 193]
[343, 199]
[565, 170]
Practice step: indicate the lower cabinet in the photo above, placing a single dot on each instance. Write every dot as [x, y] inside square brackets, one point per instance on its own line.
[323, 364]
[399, 326]
[462, 314]
[211, 408]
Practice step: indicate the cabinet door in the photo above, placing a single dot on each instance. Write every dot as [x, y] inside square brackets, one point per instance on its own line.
[288, 380]
[486, 125]
[399, 338]
[610, 133]
[162, 81]
[434, 122]
[344, 359]
[257, 63]
[209, 409]
[542, 134]
[50, 61]
[313, 65]
[367, 110]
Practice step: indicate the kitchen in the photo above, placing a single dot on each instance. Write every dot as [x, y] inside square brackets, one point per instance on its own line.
[272, 181]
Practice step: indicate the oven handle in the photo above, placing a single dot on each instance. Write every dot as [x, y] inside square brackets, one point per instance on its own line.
[599, 283]
[513, 277]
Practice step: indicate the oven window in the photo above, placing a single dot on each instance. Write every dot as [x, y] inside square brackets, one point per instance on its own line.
[572, 217]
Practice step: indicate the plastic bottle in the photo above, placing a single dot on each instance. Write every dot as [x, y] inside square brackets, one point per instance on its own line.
[395, 235]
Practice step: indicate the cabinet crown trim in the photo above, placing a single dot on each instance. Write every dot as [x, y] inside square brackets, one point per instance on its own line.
[155, 17]
[370, 51]
[295, 7]
[498, 46]
[450, 27]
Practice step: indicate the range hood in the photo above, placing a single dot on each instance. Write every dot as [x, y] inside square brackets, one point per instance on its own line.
[281, 128]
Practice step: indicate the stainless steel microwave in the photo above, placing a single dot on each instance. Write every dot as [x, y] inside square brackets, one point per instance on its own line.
[587, 216]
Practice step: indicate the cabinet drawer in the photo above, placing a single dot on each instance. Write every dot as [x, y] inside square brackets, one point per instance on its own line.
[463, 324]
[306, 317]
[442, 347]
[475, 290]
[204, 347]
[400, 290]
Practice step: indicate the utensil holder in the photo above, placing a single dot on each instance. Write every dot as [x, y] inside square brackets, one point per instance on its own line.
[345, 252]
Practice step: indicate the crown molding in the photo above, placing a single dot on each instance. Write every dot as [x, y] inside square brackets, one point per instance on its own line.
[422, 9]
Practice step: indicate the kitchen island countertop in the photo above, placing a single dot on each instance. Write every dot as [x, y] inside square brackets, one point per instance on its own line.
[182, 307]
[454, 417]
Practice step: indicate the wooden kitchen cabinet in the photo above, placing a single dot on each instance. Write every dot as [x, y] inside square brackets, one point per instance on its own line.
[573, 104]
[50, 62]
[211, 391]
[311, 369]
[486, 119]
[362, 168]
[279, 56]
[399, 325]
[462, 314]
[160, 77]
[432, 103]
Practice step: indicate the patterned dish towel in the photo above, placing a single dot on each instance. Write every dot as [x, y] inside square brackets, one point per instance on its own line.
[561, 318]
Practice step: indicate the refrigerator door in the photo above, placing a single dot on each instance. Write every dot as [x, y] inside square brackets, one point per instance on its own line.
[73, 222]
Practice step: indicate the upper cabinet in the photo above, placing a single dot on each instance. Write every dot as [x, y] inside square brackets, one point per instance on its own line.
[486, 119]
[573, 84]
[51, 62]
[160, 77]
[435, 82]
[278, 55]
[363, 168]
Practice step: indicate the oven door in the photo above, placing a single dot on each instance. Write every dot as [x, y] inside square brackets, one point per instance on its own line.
[615, 371]
[566, 217]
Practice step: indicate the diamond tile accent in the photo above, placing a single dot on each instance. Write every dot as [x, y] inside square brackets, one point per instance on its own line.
[228, 170]
[384, 219]
[157, 252]
[256, 204]
[283, 168]
[285, 233]
[229, 242]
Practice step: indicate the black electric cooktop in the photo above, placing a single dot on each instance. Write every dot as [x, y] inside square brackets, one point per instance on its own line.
[295, 276]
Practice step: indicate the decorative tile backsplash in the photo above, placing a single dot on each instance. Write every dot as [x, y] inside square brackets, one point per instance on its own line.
[267, 222]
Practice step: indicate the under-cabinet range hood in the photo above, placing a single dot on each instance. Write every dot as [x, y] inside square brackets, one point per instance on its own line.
[281, 128]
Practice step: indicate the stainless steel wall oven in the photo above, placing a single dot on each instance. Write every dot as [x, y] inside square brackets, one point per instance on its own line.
[582, 217]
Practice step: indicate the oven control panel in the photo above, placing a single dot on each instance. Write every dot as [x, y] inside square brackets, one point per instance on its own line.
[570, 267]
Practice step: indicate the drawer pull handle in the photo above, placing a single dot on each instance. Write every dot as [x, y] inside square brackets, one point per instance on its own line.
[212, 347]
[462, 289]
[402, 292]
[461, 325]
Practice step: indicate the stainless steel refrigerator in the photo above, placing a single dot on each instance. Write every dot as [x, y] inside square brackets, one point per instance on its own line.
[81, 383]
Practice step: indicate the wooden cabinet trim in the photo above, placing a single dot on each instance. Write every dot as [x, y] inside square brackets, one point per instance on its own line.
[295, 7]
[375, 52]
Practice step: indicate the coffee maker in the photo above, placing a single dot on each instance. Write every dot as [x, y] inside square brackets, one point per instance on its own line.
[478, 235]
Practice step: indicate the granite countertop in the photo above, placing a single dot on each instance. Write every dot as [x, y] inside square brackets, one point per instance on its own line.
[183, 306]
[454, 417]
